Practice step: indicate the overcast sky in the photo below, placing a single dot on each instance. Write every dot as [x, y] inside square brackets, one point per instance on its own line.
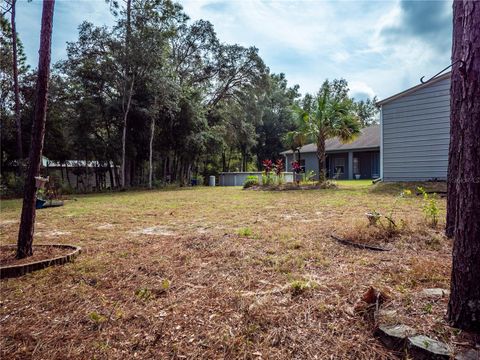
[379, 47]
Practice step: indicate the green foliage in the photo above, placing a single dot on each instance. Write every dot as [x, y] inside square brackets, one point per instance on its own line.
[308, 177]
[245, 232]
[97, 318]
[12, 185]
[330, 113]
[251, 180]
[430, 207]
[143, 294]
[298, 287]
[367, 111]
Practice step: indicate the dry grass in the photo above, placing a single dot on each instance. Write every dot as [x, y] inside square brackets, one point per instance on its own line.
[220, 273]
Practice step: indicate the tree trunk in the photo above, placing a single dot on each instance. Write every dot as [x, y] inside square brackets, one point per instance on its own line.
[124, 133]
[16, 90]
[455, 88]
[126, 89]
[27, 222]
[110, 173]
[464, 175]
[150, 157]
[321, 159]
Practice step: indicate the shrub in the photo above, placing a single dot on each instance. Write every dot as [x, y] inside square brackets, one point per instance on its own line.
[267, 179]
[250, 181]
[12, 185]
[200, 180]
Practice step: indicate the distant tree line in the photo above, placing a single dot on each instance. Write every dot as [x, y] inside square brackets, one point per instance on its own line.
[156, 94]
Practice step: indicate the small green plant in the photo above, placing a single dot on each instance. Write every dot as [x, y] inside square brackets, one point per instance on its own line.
[428, 308]
[143, 294]
[308, 177]
[97, 318]
[165, 284]
[245, 232]
[298, 287]
[373, 217]
[251, 180]
[392, 225]
[430, 207]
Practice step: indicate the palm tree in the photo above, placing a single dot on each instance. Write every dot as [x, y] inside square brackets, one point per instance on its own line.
[330, 114]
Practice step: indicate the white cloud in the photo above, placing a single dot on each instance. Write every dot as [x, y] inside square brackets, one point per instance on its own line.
[307, 40]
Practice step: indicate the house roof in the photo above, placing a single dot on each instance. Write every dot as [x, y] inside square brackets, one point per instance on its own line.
[369, 138]
[414, 88]
[46, 162]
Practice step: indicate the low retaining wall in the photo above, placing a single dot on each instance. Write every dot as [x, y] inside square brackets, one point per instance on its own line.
[238, 178]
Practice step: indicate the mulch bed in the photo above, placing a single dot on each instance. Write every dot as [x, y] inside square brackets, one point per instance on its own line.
[7, 254]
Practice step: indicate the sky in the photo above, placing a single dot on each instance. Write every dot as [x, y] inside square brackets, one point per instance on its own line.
[379, 47]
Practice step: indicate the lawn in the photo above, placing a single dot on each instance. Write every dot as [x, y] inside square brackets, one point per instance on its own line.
[223, 273]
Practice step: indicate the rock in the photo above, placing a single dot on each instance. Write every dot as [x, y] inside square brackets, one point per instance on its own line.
[435, 293]
[471, 354]
[394, 337]
[424, 348]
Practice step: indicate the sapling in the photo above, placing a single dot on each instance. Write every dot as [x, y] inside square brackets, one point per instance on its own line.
[430, 207]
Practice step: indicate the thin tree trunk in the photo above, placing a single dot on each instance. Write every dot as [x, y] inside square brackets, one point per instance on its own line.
[464, 180]
[110, 173]
[150, 157]
[321, 159]
[124, 132]
[66, 173]
[16, 90]
[27, 222]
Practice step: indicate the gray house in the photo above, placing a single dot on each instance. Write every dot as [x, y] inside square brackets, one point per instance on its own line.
[415, 132]
[357, 159]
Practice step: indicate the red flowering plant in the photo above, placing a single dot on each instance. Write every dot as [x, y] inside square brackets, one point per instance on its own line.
[267, 177]
[296, 167]
[267, 166]
[279, 167]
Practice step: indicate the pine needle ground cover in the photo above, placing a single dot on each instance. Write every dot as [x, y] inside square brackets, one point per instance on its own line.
[224, 273]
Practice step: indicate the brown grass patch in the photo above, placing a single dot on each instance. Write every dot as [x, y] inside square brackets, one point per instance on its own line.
[255, 283]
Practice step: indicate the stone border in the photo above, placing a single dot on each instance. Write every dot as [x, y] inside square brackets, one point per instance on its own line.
[19, 270]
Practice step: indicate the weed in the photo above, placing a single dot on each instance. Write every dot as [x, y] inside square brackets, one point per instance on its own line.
[430, 207]
[298, 287]
[428, 308]
[97, 319]
[165, 284]
[245, 232]
[143, 294]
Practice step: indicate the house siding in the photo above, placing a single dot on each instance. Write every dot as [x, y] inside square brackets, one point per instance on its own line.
[311, 162]
[416, 134]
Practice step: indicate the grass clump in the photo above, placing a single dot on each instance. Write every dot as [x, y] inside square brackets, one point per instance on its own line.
[245, 232]
[299, 287]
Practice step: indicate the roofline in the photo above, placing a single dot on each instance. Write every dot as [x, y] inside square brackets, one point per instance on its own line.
[412, 89]
[288, 152]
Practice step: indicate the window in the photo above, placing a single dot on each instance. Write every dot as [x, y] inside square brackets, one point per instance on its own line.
[302, 165]
[356, 165]
[339, 166]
